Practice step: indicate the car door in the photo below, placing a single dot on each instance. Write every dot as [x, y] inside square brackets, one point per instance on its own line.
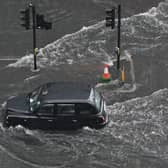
[66, 114]
[46, 113]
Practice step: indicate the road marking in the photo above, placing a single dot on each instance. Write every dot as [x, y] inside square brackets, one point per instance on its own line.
[9, 59]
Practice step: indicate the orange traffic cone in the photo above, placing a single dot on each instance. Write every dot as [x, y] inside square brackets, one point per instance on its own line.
[106, 77]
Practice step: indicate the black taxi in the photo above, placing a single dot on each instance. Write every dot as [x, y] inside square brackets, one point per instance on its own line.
[57, 105]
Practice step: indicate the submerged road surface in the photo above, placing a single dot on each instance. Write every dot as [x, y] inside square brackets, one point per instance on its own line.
[135, 137]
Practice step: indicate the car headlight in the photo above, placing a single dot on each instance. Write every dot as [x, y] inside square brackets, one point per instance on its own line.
[31, 100]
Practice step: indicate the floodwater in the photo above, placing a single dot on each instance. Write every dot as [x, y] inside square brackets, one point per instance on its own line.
[136, 135]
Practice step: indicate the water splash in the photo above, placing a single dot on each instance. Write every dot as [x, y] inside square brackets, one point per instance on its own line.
[142, 122]
[91, 44]
[137, 128]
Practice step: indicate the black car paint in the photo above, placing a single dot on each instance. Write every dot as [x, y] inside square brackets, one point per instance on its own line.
[17, 112]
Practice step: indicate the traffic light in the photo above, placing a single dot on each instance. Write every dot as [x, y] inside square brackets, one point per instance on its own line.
[41, 23]
[25, 17]
[110, 18]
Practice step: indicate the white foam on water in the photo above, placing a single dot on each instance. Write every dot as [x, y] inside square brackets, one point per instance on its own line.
[140, 32]
[142, 121]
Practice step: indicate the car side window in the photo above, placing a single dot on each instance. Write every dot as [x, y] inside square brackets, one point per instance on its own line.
[46, 109]
[62, 109]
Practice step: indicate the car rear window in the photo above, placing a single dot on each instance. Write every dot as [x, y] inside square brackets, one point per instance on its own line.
[84, 108]
[98, 99]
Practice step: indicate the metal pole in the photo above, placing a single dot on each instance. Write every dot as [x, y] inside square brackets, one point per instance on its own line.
[34, 35]
[118, 42]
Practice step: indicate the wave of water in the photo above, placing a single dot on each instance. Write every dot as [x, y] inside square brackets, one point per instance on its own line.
[147, 31]
[138, 129]
[96, 43]
[136, 135]
[143, 122]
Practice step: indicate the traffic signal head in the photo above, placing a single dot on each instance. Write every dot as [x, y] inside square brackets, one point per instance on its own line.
[25, 17]
[110, 18]
[48, 25]
[41, 23]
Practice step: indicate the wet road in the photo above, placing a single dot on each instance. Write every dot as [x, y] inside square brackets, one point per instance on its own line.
[136, 136]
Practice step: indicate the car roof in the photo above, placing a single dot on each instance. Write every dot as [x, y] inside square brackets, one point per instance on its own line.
[67, 92]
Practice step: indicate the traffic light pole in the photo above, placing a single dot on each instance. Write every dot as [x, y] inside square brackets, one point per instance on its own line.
[34, 35]
[119, 38]
[38, 22]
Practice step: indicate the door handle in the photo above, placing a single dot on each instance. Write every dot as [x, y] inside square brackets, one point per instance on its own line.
[75, 120]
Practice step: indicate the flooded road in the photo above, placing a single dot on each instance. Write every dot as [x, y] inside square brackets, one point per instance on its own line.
[137, 133]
